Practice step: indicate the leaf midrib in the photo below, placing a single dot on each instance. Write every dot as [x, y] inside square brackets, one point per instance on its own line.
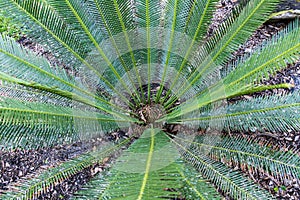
[240, 152]
[148, 166]
[265, 64]
[247, 112]
[60, 114]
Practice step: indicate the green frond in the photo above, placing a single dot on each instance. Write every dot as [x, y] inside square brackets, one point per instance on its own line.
[77, 14]
[251, 17]
[273, 113]
[195, 28]
[216, 35]
[243, 79]
[116, 15]
[63, 93]
[273, 56]
[148, 169]
[51, 121]
[170, 12]
[95, 20]
[17, 110]
[156, 177]
[230, 181]
[29, 116]
[190, 184]
[65, 38]
[123, 15]
[16, 61]
[185, 29]
[148, 19]
[177, 14]
[148, 14]
[21, 93]
[195, 186]
[200, 18]
[242, 152]
[47, 27]
[128, 185]
[20, 66]
[87, 11]
[33, 188]
[18, 136]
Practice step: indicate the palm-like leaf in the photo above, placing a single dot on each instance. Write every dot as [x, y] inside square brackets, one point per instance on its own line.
[35, 187]
[228, 180]
[143, 65]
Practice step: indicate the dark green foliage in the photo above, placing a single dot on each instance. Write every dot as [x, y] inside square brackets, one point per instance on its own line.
[146, 67]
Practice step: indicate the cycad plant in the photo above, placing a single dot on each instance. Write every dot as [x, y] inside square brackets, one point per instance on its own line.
[150, 69]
